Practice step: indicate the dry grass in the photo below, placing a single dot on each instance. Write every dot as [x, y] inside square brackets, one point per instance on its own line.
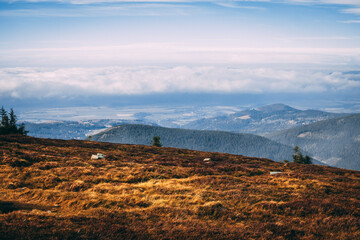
[50, 189]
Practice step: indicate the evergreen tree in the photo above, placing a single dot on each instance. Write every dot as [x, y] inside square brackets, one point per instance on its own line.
[21, 130]
[8, 123]
[307, 160]
[4, 118]
[12, 122]
[156, 141]
[299, 158]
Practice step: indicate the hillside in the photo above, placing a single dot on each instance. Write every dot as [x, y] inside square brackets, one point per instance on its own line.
[262, 120]
[73, 129]
[334, 141]
[51, 189]
[213, 141]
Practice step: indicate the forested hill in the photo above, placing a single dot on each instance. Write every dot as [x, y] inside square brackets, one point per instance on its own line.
[267, 119]
[212, 141]
[74, 129]
[334, 141]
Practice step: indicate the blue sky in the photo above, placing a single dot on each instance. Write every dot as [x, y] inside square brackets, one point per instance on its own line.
[66, 49]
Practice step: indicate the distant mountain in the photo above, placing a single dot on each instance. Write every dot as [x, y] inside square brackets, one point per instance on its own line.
[259, 121]
[211, 141]
[73, 129]
[335, 141]
[262, 120]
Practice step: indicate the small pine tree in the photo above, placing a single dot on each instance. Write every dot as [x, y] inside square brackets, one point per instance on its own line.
[307, 160]
[21, 130]
[156, 141]
[299, 158]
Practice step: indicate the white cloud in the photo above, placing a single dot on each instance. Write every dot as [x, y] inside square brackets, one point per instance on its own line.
[351, 21]
[72, 82]
[176, 53]
[352, 10]
[341, 2]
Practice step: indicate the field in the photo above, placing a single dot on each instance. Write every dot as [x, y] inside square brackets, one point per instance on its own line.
[51, 189]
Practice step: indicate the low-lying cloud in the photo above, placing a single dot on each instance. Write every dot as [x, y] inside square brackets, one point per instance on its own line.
[116, 81]
[176, 54]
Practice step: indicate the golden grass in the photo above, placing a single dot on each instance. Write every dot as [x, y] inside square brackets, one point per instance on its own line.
[51, 189]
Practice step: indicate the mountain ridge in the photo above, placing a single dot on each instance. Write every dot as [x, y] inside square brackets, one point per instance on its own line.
[262, 120]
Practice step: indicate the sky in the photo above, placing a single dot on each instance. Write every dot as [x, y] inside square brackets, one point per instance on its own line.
[62, 51]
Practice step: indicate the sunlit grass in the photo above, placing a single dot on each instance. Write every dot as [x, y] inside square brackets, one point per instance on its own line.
[52, 189]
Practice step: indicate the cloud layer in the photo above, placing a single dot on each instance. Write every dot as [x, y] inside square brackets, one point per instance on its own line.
[189, 52]
[72, 82]
[180, 53]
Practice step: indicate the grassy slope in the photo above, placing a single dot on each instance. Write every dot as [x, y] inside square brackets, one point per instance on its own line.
[51, 189]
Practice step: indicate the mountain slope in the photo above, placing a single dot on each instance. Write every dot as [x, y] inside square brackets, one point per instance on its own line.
[263, 120]
[212, 141]
[52, 189]
[73, 129]
[334, 141]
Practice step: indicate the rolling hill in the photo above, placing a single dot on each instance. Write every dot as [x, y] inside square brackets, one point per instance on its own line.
[335, 141]
[212, 141]
[52, 189]
[261, 121]
[73, 129]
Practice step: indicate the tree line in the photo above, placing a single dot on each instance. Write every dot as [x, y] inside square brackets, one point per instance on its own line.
[9, 124]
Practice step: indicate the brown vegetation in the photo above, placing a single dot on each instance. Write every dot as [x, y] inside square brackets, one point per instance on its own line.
[51, 189]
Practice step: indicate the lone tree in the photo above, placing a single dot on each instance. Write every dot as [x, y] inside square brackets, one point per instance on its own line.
[8, 123]
[156, 141]
[299, 158]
